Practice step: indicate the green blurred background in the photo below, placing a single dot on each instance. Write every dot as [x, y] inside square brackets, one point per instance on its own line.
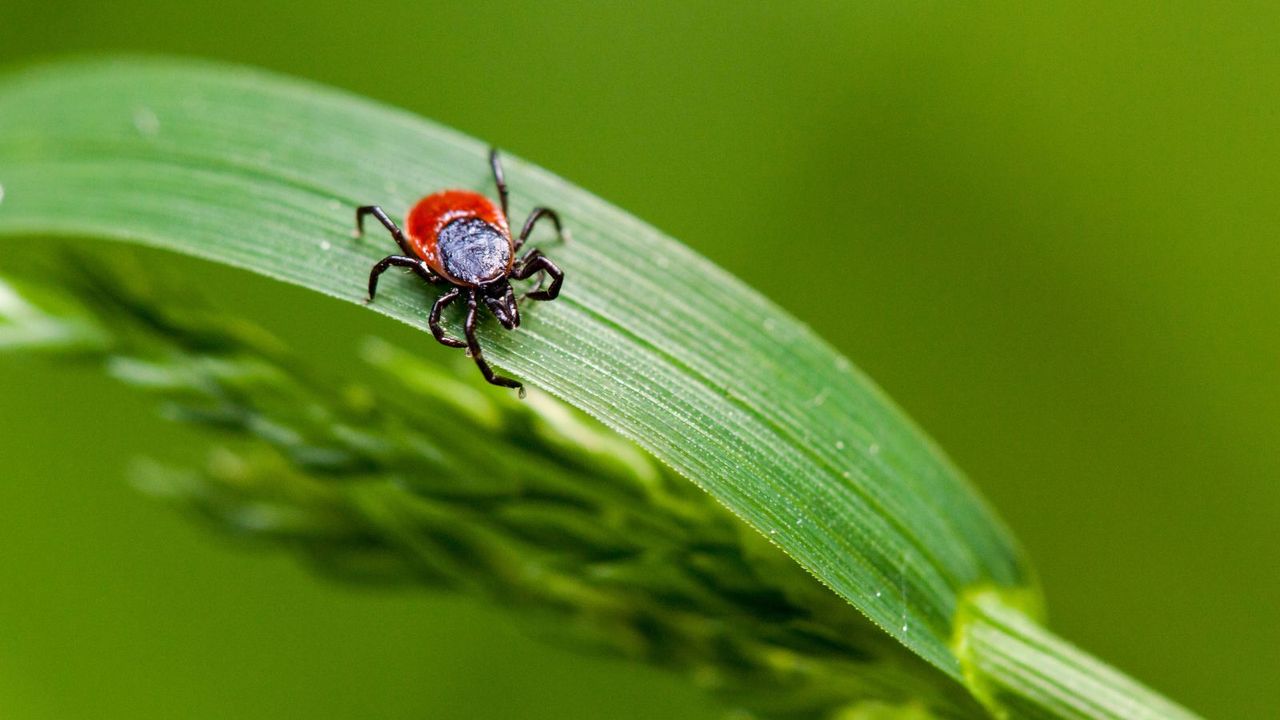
[1049, 230]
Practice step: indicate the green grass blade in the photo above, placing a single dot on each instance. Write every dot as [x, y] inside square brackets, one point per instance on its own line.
[1020, 670]
[263, 173]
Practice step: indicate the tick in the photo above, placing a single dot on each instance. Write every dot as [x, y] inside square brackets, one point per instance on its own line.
[461, 238]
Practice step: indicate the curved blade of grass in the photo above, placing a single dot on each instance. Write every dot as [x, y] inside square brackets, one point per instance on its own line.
[263, 173]
[1019, 670]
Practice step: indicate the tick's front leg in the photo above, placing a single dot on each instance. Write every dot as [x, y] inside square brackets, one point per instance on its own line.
[433, 320]
[534, 262]
[477, 355]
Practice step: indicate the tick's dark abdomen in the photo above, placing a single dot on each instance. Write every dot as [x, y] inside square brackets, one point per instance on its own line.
[473, 251]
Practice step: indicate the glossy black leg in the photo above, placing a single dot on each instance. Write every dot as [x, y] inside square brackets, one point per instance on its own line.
[433, 320]
[534, 262]
[537, 214]
[499, 179]
[391, 227]
[390, 261]
[474, 346]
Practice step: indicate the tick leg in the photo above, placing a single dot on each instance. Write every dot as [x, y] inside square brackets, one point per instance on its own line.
[391, 227]
[534, 262]
[389, 261]
[433, 320]
[499, 179]
[474, 346]
[537, 214]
